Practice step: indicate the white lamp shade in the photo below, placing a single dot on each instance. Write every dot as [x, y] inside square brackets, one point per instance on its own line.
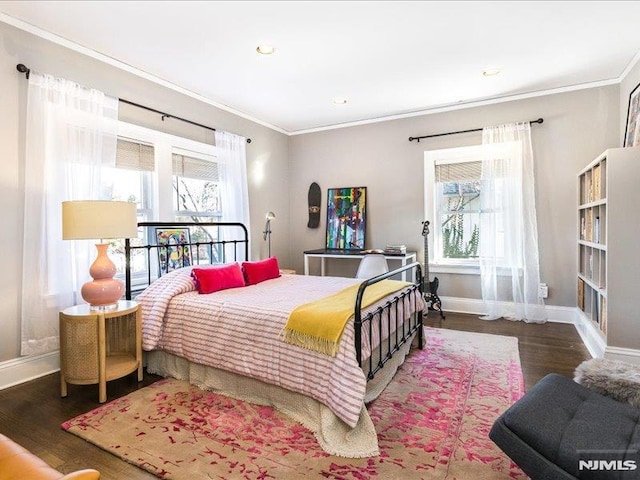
[92, 219]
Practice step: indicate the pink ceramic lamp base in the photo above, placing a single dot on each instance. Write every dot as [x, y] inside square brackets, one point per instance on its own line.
[104, 291]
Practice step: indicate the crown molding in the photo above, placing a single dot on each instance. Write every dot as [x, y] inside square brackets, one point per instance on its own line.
[634, 61]
[462, 106]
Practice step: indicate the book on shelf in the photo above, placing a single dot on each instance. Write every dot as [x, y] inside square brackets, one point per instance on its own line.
[580, 294]
[588, 225]
[395, 249]
[596, 230]
[603, 315]
[596, 183]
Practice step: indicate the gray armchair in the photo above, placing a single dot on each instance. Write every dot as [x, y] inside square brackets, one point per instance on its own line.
[560, 430]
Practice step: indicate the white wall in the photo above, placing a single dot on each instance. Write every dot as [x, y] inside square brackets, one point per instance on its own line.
[577, 127]
[267, 154]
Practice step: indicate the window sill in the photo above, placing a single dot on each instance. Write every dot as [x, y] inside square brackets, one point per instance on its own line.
[466, 269]
[457, 269]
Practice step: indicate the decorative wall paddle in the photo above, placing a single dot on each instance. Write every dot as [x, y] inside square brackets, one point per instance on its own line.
[430, 288]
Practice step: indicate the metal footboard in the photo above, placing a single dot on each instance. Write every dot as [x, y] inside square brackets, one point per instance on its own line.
[399, 334]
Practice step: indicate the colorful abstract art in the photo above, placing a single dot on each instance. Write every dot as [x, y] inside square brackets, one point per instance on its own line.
[346, 218]
[174, 250]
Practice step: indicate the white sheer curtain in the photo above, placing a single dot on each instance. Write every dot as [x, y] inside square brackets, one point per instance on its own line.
[233, 176]
[71, 131]
[508, 247]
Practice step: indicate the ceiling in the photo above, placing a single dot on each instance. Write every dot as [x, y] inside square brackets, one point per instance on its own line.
[387, 58]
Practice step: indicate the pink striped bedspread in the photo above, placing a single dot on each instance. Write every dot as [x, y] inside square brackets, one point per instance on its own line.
[240, 330]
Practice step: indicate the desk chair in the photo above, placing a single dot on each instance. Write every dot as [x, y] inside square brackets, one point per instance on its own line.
[372, 265]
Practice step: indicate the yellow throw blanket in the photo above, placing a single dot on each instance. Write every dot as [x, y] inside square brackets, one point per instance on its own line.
[318, 325]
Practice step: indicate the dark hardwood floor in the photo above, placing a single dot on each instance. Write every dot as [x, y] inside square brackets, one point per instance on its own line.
[31, 413]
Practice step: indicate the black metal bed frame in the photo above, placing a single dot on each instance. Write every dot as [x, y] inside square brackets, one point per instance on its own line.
[128, 248]
[397, 303]
[399, 335]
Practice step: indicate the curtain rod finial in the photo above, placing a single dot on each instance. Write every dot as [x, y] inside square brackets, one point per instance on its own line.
[22, 68]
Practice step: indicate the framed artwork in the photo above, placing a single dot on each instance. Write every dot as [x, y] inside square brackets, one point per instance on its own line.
[346, 218]
[632, 131]
[174, 250]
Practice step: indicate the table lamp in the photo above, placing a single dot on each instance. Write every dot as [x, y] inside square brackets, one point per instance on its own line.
[93, 219]
[267, 229]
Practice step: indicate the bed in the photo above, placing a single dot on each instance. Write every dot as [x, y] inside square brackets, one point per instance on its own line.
[233, 340]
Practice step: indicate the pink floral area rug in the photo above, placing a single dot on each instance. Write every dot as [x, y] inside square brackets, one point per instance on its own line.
[433, 422]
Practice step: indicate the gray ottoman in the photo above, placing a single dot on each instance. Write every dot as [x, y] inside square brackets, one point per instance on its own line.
[558, 423]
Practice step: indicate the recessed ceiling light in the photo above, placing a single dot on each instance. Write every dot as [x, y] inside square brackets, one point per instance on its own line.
[339, 101]
[265, 49]
[490, 72]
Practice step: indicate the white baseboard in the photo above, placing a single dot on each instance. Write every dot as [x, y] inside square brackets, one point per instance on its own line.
[476, 307]
[590, 334]
[23, 369]
[629, 355]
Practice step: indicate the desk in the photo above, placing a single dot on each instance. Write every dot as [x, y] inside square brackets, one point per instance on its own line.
[324, 253]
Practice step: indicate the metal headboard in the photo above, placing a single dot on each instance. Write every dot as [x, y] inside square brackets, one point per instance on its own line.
[154, 248]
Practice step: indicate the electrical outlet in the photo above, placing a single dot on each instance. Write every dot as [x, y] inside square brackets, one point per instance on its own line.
[543, 290]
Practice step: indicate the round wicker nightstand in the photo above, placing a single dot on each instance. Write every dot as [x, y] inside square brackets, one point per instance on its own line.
[99, 345]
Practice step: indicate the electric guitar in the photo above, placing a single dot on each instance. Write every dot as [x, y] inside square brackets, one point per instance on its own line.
[429, 288]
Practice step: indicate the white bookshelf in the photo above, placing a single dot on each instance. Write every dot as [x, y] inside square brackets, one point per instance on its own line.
[608, 288]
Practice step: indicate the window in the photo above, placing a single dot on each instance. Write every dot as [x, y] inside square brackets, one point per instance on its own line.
[131, 180]
[170, 178]
[452, 204]
[196, 187]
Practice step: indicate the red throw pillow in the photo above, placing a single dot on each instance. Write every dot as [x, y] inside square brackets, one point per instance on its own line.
[212, 279]
[256, 272]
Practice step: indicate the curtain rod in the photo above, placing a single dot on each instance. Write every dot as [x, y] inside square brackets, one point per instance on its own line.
[411, 139]
[24, 69]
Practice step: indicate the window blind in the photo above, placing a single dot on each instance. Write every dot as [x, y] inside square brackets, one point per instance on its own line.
[185, 166]
[458, 172]
[134, 156]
